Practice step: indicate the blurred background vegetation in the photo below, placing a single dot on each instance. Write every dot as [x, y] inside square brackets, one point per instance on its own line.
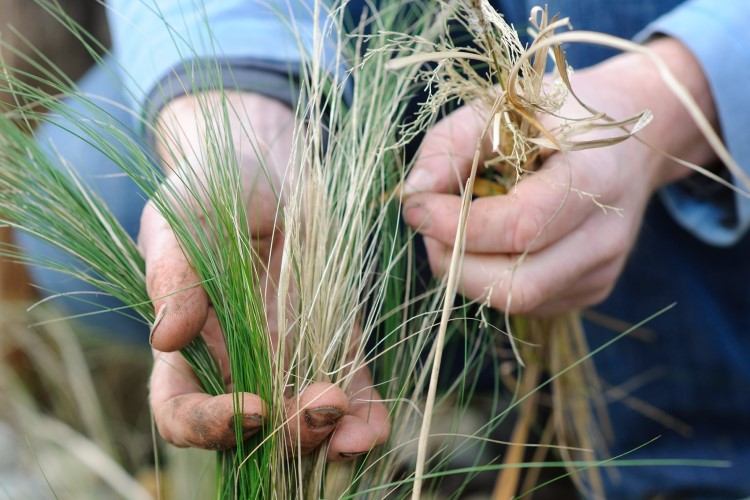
[74, 422]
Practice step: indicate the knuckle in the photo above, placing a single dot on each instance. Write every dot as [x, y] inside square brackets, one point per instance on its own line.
[201, 426]
[525, 298]
[477, 226]
[157, 272]
[525, 229]
[148, 213]
[208, 428]
[518, 297]
[146, 221]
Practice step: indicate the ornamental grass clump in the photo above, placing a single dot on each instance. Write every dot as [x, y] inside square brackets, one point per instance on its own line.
[347, 282]
[349, 291]
[509, 90]
[524, 122]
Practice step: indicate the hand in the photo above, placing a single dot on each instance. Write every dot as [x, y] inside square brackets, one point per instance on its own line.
[555, 243]
[356, 420]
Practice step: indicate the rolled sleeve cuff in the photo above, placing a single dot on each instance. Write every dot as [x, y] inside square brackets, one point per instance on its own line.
[171, 47]
[716, 34]
[272, 79]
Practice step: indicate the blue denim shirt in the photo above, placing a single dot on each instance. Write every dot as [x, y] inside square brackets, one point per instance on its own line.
[238, 31]
[693, 250]
[694, 362]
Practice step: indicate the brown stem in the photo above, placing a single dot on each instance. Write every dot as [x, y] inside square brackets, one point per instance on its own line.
[507, 481]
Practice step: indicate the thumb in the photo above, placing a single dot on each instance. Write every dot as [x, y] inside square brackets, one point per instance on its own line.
[180, 302]
[447, 152]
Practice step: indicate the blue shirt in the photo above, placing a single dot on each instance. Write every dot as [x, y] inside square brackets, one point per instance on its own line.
[694, 363]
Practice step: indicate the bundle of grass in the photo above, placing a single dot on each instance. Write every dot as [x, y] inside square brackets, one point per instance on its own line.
[346, 281]
[57, 207]
[346, 291]
[525, 121]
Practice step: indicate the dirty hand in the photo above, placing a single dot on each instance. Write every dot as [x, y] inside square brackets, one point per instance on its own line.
[356, 420]
[556, 243]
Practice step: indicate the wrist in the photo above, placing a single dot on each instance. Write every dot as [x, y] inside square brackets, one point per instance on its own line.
[250, 124]
[629, 83]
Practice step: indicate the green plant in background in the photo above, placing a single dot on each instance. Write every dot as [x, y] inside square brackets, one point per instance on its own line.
[60, 433]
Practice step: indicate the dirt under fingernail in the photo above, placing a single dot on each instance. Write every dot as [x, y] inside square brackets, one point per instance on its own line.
[159, 316]
[253, 420]
[323, 417]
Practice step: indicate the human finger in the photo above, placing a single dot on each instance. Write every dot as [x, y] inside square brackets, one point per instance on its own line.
[187, 417]
[540, 211]
[180, 303]
[313, 415]
[445, 157]
[366, 424]
[590, 290]
[526, 285]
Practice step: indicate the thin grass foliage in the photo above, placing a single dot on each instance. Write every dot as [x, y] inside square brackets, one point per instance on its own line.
[350, 292]
[508, 85]
[347, 256]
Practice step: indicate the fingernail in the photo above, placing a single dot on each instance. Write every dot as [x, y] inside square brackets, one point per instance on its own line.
[352, 454]
[418, 181]
[159, 316]
[251, 424]
[323, 417]
[414, 215]
[253, 420]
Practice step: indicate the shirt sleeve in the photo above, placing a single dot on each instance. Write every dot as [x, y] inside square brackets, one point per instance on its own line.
[717, 34]
[166, 48]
